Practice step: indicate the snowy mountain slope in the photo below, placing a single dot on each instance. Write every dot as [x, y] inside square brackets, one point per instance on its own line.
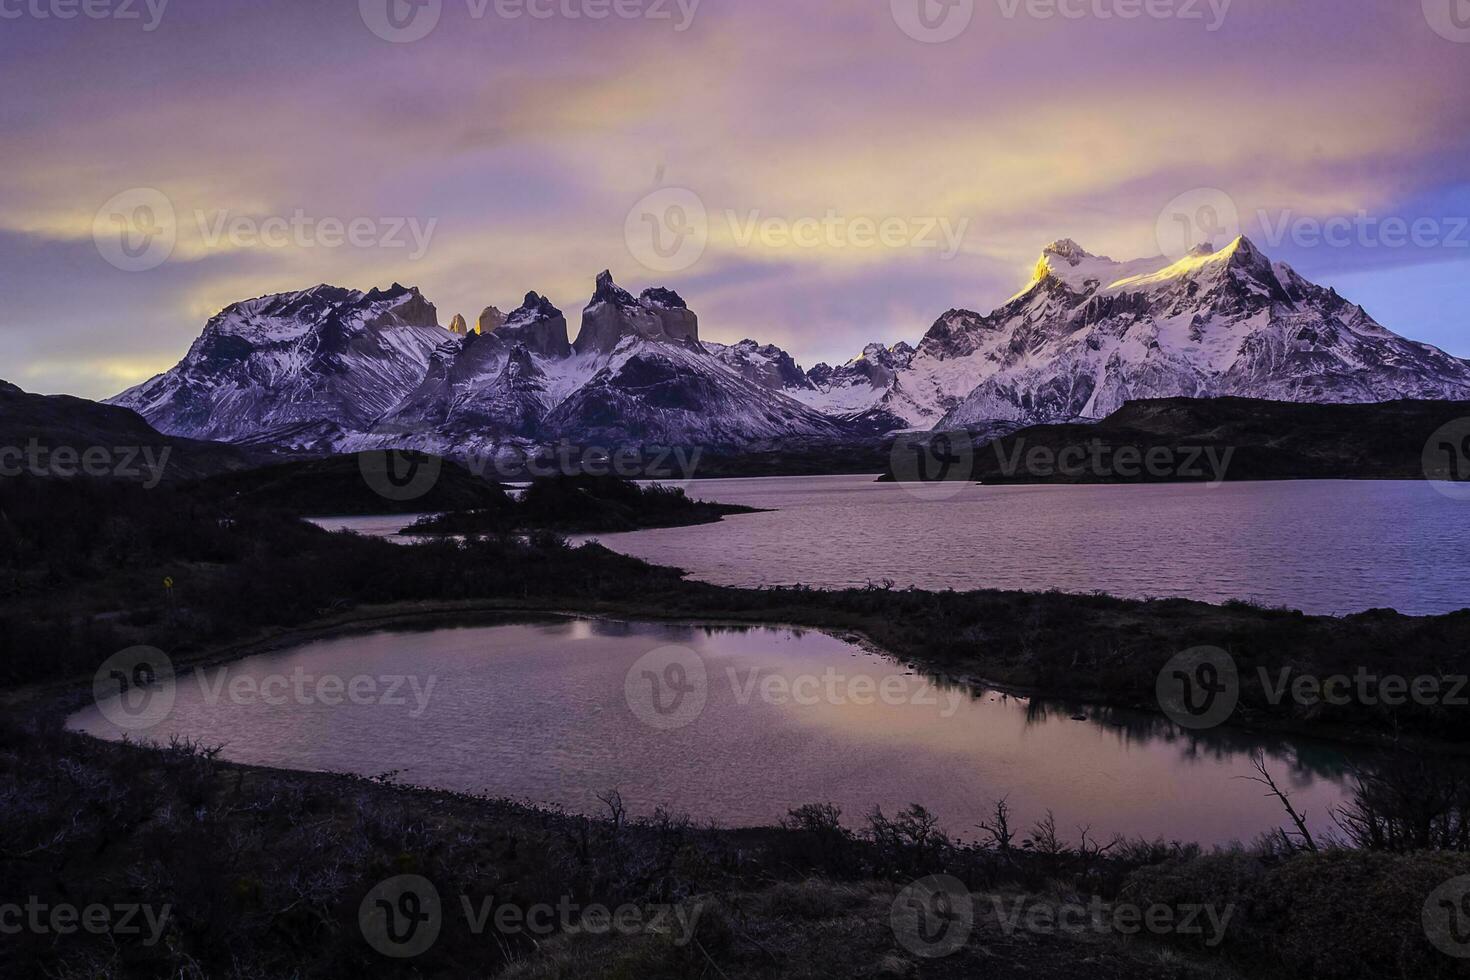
[1087, 334]
[336, 369]
[498, 383]
[867, 384]
[655, 382]
[766, 364]
[1226, 322]
[636, 374]
[678, 394]
[322, 356]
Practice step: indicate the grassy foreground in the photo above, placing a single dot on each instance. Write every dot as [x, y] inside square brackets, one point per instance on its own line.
[266, 873]
[258, 873]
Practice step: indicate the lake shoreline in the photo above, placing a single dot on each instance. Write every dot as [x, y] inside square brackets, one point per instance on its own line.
[452, 614]
[294, 584]
[1355, 545]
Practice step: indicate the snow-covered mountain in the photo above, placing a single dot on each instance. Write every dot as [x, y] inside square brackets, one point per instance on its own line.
[332, 369]
[1087, 334]
[766, 364]
[322, 361]
[336, 369]
[651, 380]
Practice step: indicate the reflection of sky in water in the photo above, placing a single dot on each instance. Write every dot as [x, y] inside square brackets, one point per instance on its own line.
[1321, 546]
[378, 526]
[539, 712]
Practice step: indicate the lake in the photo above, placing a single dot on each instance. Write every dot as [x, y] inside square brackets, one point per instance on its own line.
[1326, 546]
[731, 724]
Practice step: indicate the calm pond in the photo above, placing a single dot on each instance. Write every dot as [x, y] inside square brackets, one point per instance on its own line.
[734, 725]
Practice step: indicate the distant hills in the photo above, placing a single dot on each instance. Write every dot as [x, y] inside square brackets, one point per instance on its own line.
[121, 444]
[336, 486]
[1223, 439]
[1151, 440]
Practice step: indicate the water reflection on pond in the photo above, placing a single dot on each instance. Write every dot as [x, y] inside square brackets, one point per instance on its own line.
[730, 724]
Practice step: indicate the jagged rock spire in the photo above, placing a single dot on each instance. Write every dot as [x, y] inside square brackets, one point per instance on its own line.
[612, 314]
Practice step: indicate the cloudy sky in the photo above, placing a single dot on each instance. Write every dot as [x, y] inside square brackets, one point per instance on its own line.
[815, 174]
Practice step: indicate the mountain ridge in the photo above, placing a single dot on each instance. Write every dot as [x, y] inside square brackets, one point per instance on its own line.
[332, 369]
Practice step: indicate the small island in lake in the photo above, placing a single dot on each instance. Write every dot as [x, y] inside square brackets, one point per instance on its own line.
[581, 505]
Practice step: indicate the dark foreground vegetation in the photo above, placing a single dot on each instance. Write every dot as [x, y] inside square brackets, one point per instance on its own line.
[265, 872]
[257, 873]
[1218, 439]
[338, 486]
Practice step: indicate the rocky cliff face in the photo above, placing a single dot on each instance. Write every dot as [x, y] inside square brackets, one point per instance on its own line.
[538, 325]
[676, 319]
[490, 320]
[613, 313]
